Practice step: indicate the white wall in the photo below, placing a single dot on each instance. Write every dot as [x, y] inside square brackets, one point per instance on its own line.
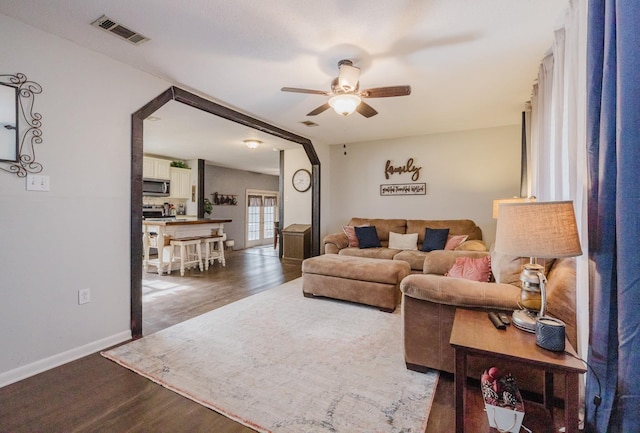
[464, 172]
[297, 205]
[76, 235]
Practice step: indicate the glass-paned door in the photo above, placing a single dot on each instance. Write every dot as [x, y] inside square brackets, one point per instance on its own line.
[262, 208]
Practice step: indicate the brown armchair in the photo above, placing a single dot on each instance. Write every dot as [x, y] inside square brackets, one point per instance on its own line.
[429, 301]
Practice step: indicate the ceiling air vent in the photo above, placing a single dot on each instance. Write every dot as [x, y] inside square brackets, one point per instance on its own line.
[108, 25]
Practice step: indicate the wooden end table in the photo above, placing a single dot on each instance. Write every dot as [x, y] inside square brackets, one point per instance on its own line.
[474, 334]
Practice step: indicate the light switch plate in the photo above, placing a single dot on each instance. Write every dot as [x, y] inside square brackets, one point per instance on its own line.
[37, 182]
[84, 296]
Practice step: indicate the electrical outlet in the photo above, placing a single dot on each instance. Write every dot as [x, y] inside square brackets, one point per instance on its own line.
[84, 296]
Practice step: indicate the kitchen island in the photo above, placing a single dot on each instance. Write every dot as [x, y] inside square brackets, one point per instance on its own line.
[156, 233]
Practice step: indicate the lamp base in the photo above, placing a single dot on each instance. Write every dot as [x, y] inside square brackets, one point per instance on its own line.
[524, 320]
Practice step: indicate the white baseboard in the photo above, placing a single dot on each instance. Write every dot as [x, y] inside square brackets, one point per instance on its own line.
[45, 364]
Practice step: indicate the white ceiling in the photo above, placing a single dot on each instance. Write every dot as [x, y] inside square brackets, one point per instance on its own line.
[470, 63]
[185, 133]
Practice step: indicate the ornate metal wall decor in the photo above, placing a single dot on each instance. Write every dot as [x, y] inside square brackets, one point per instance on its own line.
[224, 199]
[28, 125]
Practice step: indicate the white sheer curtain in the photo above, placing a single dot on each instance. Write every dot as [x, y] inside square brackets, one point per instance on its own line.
[558, 138]
[557, 104]
[254, 201]
[541, 127]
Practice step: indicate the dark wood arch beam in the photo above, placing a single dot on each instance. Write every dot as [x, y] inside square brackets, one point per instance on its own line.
[188, 98]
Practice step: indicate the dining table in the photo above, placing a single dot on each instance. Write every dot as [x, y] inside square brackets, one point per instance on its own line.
[156, 233]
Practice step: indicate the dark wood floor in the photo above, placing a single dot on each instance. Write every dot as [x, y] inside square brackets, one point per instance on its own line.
[94, 394]
[171, 299]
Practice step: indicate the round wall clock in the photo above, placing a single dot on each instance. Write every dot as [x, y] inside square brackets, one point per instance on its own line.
[301, 180]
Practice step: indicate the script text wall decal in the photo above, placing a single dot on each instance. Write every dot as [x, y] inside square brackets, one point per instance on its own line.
[407, 168]
[404, 189]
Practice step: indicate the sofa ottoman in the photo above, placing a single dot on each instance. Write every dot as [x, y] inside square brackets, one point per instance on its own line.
[374, 282]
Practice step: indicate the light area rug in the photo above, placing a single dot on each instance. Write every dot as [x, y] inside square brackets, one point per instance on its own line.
[279, 362]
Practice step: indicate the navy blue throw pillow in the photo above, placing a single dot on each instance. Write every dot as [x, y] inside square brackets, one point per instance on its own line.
[367, 237]
[434, 239]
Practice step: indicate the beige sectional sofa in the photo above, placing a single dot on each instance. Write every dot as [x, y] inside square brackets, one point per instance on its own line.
[338, 243]
[429, 298]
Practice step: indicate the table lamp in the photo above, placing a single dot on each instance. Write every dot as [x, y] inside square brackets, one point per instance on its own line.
[498, 202]
[536, 230]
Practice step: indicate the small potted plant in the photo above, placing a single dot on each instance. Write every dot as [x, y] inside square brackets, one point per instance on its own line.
[208, 206]
[179, 164]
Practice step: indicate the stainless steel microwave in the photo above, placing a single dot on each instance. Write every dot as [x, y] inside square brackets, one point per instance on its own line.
[156, 187]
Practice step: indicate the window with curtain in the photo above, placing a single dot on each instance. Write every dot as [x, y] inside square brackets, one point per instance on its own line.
[261, 217]
[254, 204]
[557, 167]
[269, 216]
[613, 383]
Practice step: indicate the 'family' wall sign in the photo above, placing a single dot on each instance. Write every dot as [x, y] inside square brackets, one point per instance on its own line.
[407, 168]
[403, 188]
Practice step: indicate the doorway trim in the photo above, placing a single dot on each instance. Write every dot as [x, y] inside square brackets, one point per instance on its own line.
[137, 121]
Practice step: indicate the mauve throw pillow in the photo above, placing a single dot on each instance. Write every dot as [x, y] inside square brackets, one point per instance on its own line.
[350, 231]
[367, 237]
[434, 239]
[471, 269]
[454, 241]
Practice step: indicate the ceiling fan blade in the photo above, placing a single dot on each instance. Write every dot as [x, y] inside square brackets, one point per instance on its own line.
[366, 110]
[319, 110]
[385, 92]
[313, 92]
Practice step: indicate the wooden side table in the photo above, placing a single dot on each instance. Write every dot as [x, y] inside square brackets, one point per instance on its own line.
[296, 242]
[473, 333]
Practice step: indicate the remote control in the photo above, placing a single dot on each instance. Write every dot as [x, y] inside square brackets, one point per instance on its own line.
[496, 321]
[504, 318]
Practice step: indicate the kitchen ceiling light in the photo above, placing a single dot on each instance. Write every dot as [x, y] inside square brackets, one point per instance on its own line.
[345, 104]
[252, 144]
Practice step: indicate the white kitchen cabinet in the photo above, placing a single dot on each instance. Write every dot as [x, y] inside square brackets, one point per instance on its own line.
[180, 183]
[156, 168]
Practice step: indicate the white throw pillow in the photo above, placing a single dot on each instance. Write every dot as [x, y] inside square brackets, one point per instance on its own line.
[398, 241]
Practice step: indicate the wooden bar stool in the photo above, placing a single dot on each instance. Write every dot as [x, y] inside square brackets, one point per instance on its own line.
[214, 249]
[187, 257]
[276, 233]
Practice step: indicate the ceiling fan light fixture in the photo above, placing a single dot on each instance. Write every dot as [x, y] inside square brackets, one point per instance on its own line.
[346, 94]
[349, 76]
[345, 104]
[252, 143]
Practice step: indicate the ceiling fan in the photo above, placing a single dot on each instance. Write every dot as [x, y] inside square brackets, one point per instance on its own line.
[345, 94]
